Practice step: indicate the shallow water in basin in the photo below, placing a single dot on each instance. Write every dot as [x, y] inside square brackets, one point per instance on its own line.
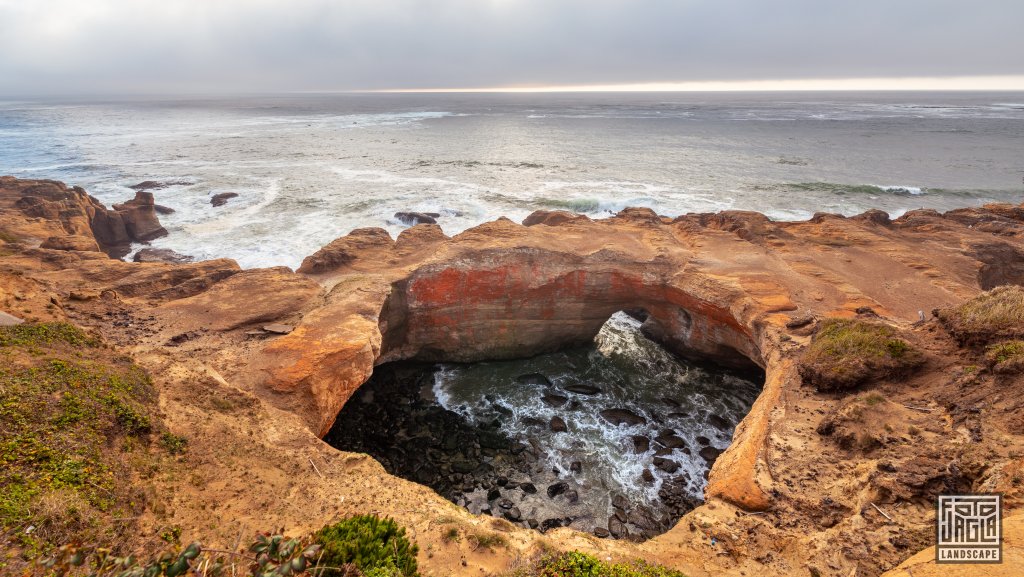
[641, 429]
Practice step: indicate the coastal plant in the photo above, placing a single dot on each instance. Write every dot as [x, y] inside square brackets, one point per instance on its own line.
[70, 411]
[846, 353]
[1006, 357]
[577, 564]
[272, 556]
[376, 547]
[996, 314]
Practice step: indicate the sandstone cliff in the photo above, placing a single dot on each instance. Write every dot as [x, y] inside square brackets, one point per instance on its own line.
[733, 287]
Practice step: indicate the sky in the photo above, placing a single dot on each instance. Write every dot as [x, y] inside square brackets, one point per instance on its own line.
[61, 47]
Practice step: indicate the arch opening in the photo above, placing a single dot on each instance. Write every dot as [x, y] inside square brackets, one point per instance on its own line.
[559, 422]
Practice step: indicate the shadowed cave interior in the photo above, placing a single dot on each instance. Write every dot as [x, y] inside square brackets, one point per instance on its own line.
[615, 437]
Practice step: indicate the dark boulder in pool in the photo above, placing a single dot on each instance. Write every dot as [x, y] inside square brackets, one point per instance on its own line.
[581, 389]
[710, 454]
[622, 417]
[533, 379]
[413, 218]
[554, 400]
[557, 425]
[557, 489]
[641, 444]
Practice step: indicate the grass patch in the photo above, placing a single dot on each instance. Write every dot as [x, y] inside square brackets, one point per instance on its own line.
[846, 353]
[576, 564]
[451, 535]
[1006, 357]
[480, 540]
[8, 237]
[990, 316]
[67, 410]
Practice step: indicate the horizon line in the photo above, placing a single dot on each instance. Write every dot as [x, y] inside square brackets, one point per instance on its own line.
[864, 84]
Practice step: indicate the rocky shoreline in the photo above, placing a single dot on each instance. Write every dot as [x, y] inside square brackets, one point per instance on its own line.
[477, 466]
[816, 467]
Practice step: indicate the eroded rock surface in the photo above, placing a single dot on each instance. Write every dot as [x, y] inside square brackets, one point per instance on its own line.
[712, 286]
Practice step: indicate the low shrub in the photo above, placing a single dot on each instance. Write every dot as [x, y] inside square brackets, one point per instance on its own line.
[376, 547]
[846, 353]
[67, 407]
[990, 316]
[1006, 357]
[576, 564]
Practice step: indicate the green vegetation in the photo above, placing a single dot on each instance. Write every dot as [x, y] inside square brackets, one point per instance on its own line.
[846, 353]
[174, 444]
[990, 316]
[34, 336]
[376, 547]
[69, 413]
[1006, 357]
[486, 540]
[274, 556]
[576, 564]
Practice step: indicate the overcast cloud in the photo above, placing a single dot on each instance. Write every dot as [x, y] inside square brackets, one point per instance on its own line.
[70, 46]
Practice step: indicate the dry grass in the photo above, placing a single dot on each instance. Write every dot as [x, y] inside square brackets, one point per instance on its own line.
[992, 315]
[1006, 357]
[847, 353]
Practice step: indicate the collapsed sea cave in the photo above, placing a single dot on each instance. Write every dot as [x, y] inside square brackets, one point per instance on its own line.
[615, 437]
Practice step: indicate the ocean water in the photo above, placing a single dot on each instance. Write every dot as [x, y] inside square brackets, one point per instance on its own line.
[632, 373]
[310, 168]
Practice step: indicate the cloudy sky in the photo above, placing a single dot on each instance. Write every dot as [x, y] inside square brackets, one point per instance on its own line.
[140, 46]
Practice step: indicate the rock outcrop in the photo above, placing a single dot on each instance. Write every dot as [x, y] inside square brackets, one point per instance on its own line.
[732, 287]
[49, 213]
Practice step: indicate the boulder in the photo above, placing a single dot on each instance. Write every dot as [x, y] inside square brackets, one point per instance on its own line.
[222, 198]
[160, 255]
[622, 417]
[140, 219]
[414, 218]
[581, 389]
[557, 425]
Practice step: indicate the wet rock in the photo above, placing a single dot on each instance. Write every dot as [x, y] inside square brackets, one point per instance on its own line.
[161, 209]
[622, 417]
[548, 524]
[709, 454]
[532, 523]
[619, 514]
[620, 502]
[160, 255]
[514, 514]
[572, 496]
[601, 532]
[554, 400]
[532, 422]
[666, 465]
[505, 503]
[719, 423]
[641, 444]
[463, 466]
[222, 198]
[704, 441]
[493, 494]
[576, 467]
[670, 439]
[413, 218]
[558, 425]
[557, 489]
[581, 389]
[156, 185]
[663, 452]
[502, 481]
[533, 379]
[671, 402]
[528, 488]
[617, 528]
[647, 477]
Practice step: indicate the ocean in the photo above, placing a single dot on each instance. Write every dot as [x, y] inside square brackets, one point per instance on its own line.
[311, 168]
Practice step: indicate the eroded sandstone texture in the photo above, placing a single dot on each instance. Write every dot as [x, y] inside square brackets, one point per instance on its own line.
[734, 287]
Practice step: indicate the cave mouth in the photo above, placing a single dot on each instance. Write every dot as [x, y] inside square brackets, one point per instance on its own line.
[615, 438]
